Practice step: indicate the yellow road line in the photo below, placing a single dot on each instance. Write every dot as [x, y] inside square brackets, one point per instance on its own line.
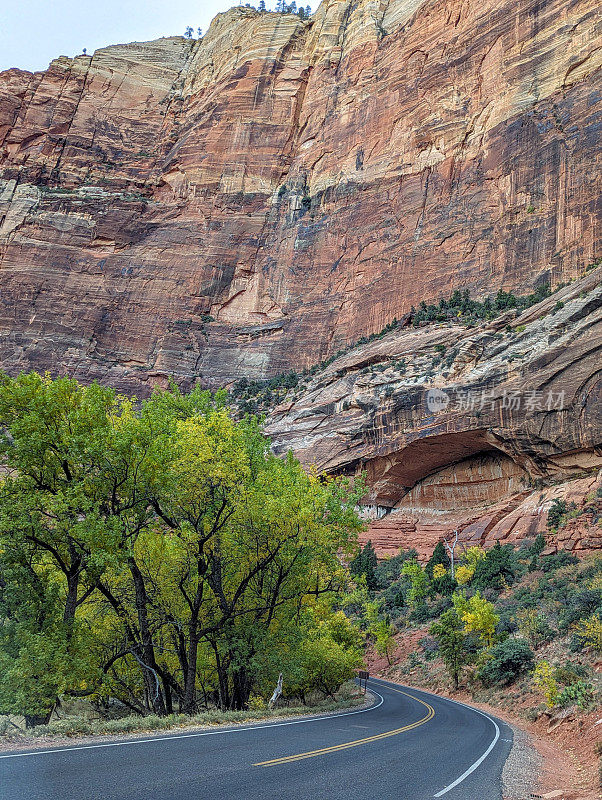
[357, 742]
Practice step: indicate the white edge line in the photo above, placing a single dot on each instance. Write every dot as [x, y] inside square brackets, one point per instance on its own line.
[480, 760]
[194, 735]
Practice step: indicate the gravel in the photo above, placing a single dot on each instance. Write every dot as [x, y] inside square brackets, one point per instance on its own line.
[521, 772]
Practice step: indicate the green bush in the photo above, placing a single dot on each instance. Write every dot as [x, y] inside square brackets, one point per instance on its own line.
[580, 605]
[445, 585]
[539, 544]
[497, 569]
[570, 673]
[580, 694]
[558, 513]
[388, 571]
[557, 561]
[508, 660]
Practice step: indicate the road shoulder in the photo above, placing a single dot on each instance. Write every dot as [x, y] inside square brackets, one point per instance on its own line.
[537, 766]
[16, 743]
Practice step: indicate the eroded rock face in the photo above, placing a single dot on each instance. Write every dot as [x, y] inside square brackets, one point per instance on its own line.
[298, 183]
[517, 423]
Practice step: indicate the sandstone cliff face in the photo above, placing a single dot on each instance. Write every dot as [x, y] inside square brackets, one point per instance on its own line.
[520, 424]
[298, 183]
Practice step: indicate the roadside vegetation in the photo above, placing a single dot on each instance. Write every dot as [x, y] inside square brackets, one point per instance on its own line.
[79, 718]
[157, 559]
[157, 562]
[511, 626]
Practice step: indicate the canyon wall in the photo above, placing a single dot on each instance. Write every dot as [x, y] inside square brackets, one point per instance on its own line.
[475, 430]
[251, 202]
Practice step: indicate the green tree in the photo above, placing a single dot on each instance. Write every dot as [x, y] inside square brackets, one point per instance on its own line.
[419, 582]
[497, 569]
[478, 616]
[365, 563]
[385, 643]
[451, 639]
[326, 665]
[61, 519]
[161, 540]
[439, 556]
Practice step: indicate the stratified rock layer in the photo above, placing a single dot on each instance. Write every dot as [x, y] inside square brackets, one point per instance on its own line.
[249, 203]
[475, 430]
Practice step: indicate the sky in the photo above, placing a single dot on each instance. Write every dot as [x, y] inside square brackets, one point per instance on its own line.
[33, 32]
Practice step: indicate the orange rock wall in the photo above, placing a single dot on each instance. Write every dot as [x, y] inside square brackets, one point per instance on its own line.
[490, 462]
[512, 520]
[298, 183]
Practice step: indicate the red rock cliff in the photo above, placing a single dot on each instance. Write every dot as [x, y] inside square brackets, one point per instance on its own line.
[299, 183]
[521, 425]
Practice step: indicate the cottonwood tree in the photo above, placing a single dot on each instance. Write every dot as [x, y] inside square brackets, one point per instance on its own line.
[161, 539]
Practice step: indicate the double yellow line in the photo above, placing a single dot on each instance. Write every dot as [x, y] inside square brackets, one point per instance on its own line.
[357, 742]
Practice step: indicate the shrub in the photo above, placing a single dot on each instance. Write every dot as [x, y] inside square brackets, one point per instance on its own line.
[569, 673]
[429, 646]
[420, 614]
[557, 561]
[539, 544]
[445, 584]
[393, 596]
[508, 660]
[534, 627]
[464, 574]
[497, 569]
[580, 694]
[589, 632]
[580, 605]
[388, 571]
[544, 680]
[556, 513]
[506, 625]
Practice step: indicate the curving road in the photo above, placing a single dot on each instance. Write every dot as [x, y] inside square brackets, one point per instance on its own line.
[410, 745]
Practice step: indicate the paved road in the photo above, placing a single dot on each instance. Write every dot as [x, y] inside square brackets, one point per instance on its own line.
[410, 745]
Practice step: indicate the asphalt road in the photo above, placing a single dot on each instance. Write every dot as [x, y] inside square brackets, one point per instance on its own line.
[410, 745]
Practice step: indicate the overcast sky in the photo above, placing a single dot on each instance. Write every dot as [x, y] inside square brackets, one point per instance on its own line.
[33, 32]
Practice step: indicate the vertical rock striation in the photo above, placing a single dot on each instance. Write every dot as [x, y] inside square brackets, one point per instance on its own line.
[250, 202]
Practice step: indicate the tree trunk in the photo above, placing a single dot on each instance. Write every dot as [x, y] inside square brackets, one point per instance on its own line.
[146, 658]
[241, 689]
[168, 699]
[222, 678]
[71, 599]
[189, 704]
